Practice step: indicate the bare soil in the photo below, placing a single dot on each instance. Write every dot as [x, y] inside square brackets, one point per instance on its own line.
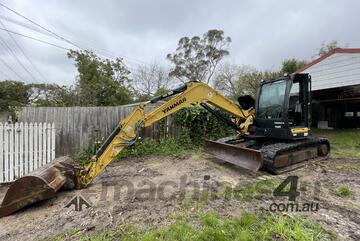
[150, 191]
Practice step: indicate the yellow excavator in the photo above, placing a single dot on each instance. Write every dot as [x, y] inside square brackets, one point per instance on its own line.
[273, 134]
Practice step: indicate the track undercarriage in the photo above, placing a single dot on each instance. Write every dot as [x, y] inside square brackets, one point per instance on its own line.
[275, 156]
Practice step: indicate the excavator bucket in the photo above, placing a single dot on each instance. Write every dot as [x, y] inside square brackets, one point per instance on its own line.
[39, 185]
[240, 156]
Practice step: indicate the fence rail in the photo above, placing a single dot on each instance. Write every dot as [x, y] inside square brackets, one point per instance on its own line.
[24, 147]
[78, 127]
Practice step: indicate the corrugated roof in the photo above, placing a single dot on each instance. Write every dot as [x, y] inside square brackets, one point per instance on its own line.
[334, 51]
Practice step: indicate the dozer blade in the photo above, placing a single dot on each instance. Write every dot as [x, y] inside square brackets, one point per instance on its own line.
[241, 156]
[39, 185]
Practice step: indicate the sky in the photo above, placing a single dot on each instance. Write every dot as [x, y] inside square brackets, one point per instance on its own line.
[263, 33]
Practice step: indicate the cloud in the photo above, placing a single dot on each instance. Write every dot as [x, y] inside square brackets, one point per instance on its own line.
[264, 33]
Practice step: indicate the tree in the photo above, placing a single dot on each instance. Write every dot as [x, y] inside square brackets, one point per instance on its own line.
[235, 81]
[292, 65]
[52, 95]
[327, 47]
[13, 94]
[101, 82]
[227, 78]
[196, 58]
[150, 80]
[250, 82]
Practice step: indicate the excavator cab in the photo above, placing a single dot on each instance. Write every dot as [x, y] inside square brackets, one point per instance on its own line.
[283, 108]
[279, 139]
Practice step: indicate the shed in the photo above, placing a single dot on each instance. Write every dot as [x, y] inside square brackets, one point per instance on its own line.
[336, 88]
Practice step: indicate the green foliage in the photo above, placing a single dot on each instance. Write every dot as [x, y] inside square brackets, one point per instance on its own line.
[292, 65]
[13, 94]
[350, 166]
[235, 81]
[228, 79]
[199, 125]
[210, 227]
[344, 143]
[250, 82]
[84, 156]
[52, 95]
[164, 147]
[344, 191]
[101, 82]
[248, 192]
[196, 58]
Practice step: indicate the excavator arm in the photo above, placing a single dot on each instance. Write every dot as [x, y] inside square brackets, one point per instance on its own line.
[250, 152]
[127, 132]
[63, 172]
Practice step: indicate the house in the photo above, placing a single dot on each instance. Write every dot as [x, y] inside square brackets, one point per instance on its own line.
[336, 88]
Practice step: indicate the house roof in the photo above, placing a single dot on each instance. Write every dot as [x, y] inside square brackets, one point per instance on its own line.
[321, 58]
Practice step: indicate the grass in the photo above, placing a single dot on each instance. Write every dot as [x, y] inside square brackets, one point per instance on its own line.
[209, 226]
[248, 192]
[347, 166]
[344, 191]
[344, 143]
[304, 185]
[340, 190]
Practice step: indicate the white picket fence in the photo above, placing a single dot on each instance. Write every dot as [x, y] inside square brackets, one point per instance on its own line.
[25, 147]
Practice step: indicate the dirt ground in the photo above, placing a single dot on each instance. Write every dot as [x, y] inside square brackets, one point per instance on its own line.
[148, 192]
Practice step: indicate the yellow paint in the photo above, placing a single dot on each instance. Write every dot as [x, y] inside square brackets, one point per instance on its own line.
[195, 94]
[299, 130]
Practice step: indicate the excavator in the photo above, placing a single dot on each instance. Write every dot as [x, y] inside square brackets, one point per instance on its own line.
[273, 134]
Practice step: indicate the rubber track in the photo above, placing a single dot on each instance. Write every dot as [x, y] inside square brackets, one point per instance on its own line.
[273, 150]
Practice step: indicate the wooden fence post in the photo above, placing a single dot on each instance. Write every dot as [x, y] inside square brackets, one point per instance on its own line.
[25, 147]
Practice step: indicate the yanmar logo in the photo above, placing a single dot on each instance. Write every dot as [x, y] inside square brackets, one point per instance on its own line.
[169, 108]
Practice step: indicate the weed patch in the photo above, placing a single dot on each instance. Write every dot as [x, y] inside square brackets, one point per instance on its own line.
[209, 226]
[344, 191]
[347, 166]
[344, 143]
[85, 155]
[148, 146]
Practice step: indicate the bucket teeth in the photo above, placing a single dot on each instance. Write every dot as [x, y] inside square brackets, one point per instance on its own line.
[39, 185]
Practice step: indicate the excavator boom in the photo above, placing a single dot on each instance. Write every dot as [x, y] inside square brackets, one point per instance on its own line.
[64, 173]
[278, 141]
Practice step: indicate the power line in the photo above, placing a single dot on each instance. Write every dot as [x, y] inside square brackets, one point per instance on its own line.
[25, 55]
[16, 58]
[23, 52]
[11, 69]
[47, 30]
[45, 42]
[102, 52]
[69, 41]
[35, 39]
[24, 25]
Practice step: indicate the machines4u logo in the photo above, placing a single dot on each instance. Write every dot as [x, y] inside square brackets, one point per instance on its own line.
[291, 193]
[78, 202]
